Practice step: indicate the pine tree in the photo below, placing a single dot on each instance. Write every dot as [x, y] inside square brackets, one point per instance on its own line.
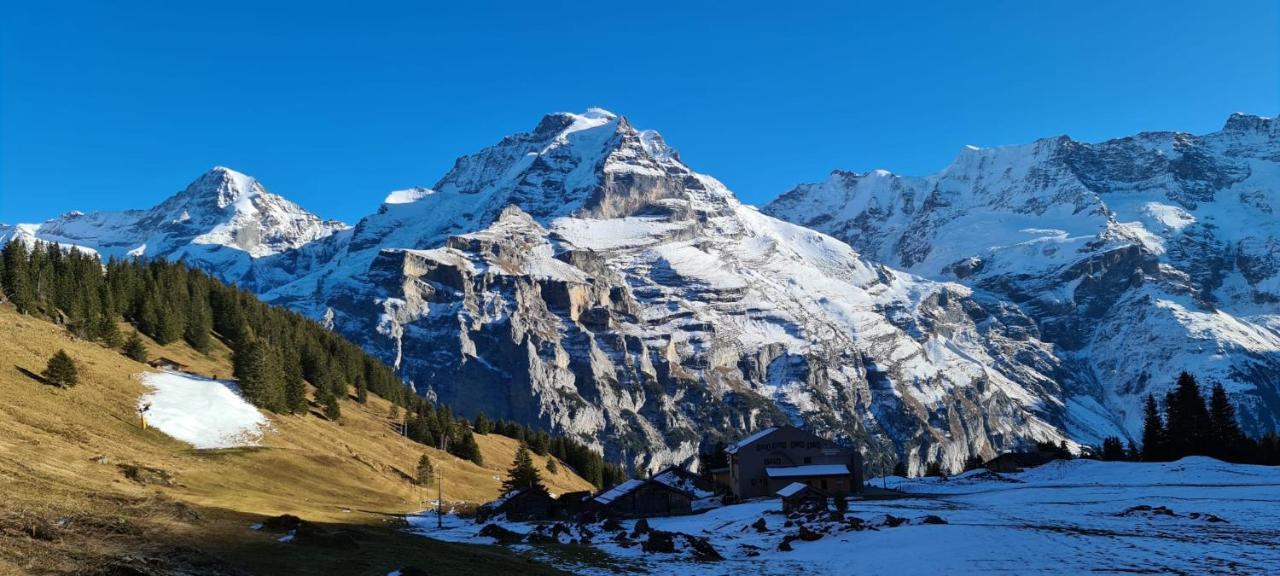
[199, 324]
[332, 410]
[295, 388]
[262, 380]
[483, 425]
[1153, 433]
[1227, 439]
[106, 330]
[1187, 426]
[1112, 448]
[464, 445]
[523, 475]
[424, 475]
[61, 370]
[135, 348]
[552, 467]
[900, 469]
[17, 280]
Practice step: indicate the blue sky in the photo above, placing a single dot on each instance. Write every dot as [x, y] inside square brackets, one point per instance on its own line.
[111, 105]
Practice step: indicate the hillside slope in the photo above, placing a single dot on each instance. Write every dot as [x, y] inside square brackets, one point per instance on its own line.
[68, 505]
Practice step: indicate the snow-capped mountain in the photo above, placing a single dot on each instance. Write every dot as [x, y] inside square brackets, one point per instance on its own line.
[1137, 257]
[581, 276]
[222, 222]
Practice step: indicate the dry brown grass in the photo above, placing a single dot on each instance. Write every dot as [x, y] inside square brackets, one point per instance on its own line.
[66, 503]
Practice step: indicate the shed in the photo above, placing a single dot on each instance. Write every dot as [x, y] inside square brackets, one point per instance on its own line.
[641, 498]
[801, 497]
[571, 504]
[519, 505]
[167, 364]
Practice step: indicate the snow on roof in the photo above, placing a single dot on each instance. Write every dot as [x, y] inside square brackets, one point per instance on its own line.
[503, 499]
[733, 448]
[792, 489]
[809, 470]
[673, 478]
[618, 491]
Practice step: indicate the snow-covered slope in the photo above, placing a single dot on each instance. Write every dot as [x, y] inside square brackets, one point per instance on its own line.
[1138, 257]
[581, 276]
[223, 222]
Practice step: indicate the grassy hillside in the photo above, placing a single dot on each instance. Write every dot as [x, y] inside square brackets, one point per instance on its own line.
[68, 504]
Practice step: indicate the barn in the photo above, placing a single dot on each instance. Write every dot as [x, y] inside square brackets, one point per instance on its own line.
[641, 498]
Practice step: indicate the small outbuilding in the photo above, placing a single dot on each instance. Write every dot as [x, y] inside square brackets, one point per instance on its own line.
[519, 505]
[801, 497]
[165, 363]
[641, 498]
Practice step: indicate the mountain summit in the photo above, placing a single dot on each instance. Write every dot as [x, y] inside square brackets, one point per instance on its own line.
[223, 222]
[1137, 257]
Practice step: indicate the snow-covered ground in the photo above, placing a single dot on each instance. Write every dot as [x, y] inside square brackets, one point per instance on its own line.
[203, 412]
[1194, 516]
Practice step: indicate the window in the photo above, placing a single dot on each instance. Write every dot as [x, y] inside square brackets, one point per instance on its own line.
[808, 460]
[824, 484]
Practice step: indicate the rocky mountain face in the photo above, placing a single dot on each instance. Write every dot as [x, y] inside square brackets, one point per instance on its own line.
[225, 222]
[1136, 258]
[581, 277]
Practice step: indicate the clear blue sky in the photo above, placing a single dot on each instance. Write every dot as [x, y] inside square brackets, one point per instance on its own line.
[110, 105]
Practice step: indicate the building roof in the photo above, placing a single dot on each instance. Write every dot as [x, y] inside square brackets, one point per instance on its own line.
[682, 480]
[792, 489]
[608, 496]
[808, 470]
[733, 448]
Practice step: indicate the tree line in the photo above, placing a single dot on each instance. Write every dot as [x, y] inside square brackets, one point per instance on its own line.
[276, 352]
[1190, 426]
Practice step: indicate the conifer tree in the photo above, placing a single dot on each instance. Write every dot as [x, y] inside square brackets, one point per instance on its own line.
[1187, 426]
[61, 370]
[1226, 437]
[295, 388]
[552, 467]
[332, 410]
[523, 475]
[17, 279]
[199, 324]
[1112, 449]
[424, 475]
[260, 374]
[135, 348]
[483, 425]
[106, 330]
[1154, 448]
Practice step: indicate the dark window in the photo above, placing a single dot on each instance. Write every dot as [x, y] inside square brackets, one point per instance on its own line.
[808, 460]
[824, 484]
[797, 443]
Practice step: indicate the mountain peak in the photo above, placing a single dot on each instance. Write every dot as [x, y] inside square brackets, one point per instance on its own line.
[1241, 122]
[223, 187]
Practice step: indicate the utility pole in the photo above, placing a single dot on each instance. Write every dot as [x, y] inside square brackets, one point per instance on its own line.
[440, 500]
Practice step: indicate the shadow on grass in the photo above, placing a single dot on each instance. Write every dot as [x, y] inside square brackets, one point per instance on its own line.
[32, 375]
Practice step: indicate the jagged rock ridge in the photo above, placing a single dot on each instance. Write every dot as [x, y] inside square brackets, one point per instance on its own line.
[1137, 257]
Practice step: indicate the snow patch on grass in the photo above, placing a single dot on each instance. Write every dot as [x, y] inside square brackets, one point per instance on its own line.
[203, 412]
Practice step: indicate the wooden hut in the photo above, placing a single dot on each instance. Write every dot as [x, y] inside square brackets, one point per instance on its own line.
[165, 363]
[520, 506]
[642, 498]
[801, 497]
